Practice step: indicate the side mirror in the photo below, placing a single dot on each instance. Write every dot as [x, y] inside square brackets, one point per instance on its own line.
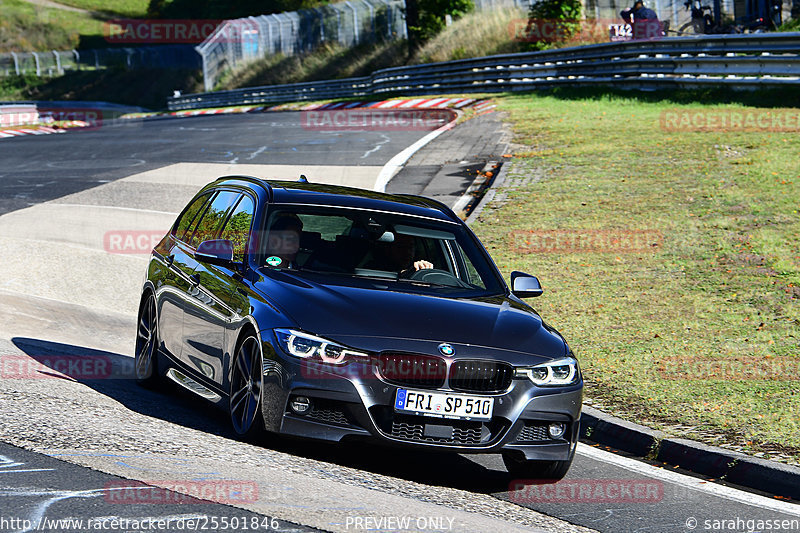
[215, 251]
[524, 285]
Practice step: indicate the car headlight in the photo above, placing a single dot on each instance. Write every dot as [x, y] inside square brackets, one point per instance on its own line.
[307, 346]
[553, 373]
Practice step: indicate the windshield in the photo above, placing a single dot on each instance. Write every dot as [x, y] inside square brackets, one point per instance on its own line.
[402, 252]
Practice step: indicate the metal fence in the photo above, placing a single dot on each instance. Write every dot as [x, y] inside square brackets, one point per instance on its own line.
[742, 61]
[239, 41]
[348, 23]
[56, 63]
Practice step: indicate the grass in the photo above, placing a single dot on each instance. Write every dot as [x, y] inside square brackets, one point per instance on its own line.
[125, 8]
[791, 25]
[28, 27]
[668, 335]
[474, 35]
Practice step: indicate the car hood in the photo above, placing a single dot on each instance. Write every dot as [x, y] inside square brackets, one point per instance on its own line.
[367, 315]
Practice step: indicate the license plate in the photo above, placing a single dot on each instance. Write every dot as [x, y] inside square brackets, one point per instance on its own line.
[444, 405]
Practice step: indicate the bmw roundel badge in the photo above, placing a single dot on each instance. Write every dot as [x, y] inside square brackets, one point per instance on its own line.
[447, 349]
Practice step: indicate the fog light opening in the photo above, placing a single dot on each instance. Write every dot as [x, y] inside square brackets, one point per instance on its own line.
[557, 430]
[300, 405]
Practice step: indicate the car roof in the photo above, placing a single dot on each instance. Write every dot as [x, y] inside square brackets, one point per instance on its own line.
[303, 192]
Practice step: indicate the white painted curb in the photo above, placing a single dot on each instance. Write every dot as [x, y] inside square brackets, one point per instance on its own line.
[396, 163]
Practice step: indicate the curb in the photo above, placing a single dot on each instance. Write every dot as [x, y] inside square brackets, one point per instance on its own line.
[19, 131]
[488, 195]
[735, 467]
[455, 105]
[474, 193]
[774, 478]
[393, 166]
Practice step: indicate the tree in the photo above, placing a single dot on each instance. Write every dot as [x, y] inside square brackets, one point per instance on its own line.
[426, 18]
[560, 18]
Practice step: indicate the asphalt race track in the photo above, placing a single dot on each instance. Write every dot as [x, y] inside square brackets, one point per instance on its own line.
[68, 292]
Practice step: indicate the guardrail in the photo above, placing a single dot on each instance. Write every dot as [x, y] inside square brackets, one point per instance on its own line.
[756, 60]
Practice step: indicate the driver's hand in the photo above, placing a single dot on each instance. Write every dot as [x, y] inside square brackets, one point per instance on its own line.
[422, 264]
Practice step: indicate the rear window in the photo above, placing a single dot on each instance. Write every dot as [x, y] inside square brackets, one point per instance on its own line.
[189, 215]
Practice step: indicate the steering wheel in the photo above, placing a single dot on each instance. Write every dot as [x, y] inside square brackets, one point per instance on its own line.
[437, 276]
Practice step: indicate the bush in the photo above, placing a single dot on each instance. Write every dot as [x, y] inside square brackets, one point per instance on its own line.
[563, 15]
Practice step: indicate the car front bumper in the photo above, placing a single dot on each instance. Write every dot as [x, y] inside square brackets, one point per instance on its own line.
[354, 402]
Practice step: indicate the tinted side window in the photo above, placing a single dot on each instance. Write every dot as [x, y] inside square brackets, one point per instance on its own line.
[471, 275]
[210, 224]
[188, 216]
[237, 228]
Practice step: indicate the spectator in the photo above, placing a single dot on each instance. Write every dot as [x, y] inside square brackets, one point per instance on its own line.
[638, 13]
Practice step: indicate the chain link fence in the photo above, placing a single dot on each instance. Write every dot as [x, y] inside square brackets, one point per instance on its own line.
[349, 23]
[55, 63]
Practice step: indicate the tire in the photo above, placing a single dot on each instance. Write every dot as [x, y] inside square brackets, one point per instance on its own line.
[247, 384]
[146, 353]
[537, 470]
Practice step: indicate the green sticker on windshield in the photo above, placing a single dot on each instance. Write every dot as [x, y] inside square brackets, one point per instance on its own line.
[273, 260]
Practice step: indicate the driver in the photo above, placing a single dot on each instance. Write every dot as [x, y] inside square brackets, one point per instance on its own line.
[283, 240]
[398, 256]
